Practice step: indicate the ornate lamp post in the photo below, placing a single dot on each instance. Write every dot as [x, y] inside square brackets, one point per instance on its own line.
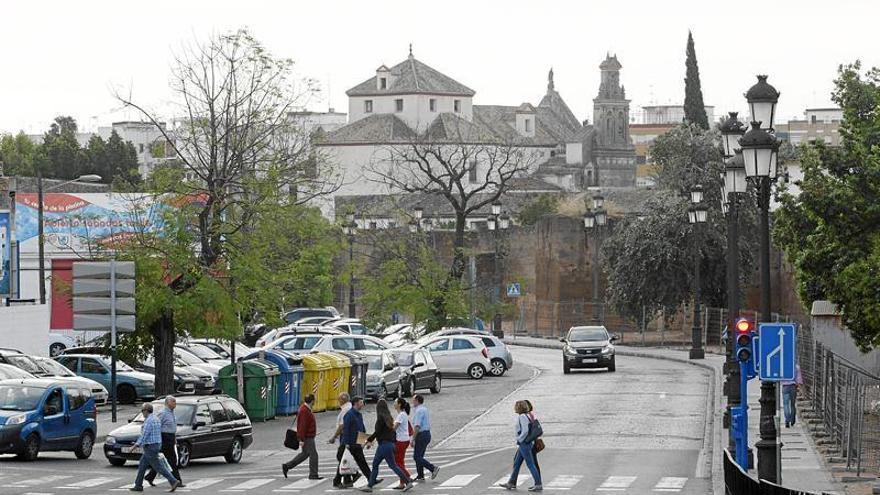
[734, 179]
[594, 223]
[697, 212]
[760, 157]
[349, 229]
[498, 223]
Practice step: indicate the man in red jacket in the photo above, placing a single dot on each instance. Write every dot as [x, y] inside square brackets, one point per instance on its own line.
[306, 430]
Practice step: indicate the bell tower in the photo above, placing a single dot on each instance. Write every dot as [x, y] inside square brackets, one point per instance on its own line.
[615, 154]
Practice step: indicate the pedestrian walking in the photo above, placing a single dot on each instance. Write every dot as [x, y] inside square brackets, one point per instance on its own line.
[789, 396]
[169, 441]
[352, 428]
[384, 434]
[402, 435]
[306, 430]
[532, 418]
[524, 446]
[340, 481]
[421, 421]
[150, 441]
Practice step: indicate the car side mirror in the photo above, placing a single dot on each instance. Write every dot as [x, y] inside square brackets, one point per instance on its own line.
[615, 337]
[417, 365]
[562, 339]
[389, 367]
[198, 424]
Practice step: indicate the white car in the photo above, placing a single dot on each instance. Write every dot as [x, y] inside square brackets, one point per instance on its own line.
[223, 349]
[316, 342]
[350, 325]
[406, 335]
[500, 356]
[58, 342]
[460, 355]
[61, 372]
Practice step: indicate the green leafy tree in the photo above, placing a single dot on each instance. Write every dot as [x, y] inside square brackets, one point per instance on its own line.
[694, 110]
[530, 213]
[830, 231]
[61, 157]
[18, 154]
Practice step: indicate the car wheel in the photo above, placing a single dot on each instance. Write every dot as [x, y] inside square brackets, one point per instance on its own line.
[566, 369]
[476, 371]
[184, 455]
[31, 448]
[126, 394]
[85, 445]
[437, 383]
[613, 366]
[116, 462]
[56, 349]
[235, 451]
[497, 367]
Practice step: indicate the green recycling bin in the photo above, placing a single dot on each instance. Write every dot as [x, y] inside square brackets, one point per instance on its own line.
[260, 398]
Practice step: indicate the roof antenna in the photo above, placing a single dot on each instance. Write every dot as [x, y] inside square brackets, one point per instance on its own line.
[410, 50]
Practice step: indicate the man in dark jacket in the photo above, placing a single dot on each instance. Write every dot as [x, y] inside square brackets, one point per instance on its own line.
[352, 425]
[306, 430]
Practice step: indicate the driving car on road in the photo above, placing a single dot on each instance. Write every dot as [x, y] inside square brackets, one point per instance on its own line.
[131, 385]
[460, 355]
[588, 347]
[419, 370]
[383, 375]
[55, 369]
[206, 427]
[40, 414]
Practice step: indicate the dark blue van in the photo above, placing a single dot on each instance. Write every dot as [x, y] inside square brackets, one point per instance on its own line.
[46, 414]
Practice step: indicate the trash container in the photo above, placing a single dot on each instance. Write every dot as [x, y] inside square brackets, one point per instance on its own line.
[316, 369]
[286, 387]
[258, 388]
[357, 383]
[339, 377]
[295, 362]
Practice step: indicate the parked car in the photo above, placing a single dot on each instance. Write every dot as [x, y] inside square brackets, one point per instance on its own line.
[460, 355]
[588, 347]
[205, 353]
[419, 371]
[392, 329]
[223, 349]
[86, 349]
[253, 332]
[350, 325]
[384, 378]
[56, 370]
[131, 384]
[39, 414]
[185, 381]
[315, 321]
[8, 371]
[407, 335]
[58, 342]
[21, 361]
[500, 357]
[300, 313]
[206, 427]
[279, 333]
[317, 342]
[183, 354]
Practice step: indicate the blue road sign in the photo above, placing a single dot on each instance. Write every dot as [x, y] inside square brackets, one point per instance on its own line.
[513, 290]
[778, 348]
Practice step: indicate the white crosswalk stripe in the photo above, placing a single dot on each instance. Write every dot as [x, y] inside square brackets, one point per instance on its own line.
[457, 481]
[302, 484]
[200, 483]
[670, 484]
[249, 485]
[520, 481]
[563, 482]
[616, 483]
[36, 481]
[89, 483]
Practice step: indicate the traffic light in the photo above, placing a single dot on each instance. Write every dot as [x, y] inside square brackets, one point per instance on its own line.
[745, 329]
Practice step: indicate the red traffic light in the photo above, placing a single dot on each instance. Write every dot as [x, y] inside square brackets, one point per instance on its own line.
[744, 325]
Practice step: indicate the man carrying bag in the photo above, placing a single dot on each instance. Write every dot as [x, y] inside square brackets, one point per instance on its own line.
[306, 430]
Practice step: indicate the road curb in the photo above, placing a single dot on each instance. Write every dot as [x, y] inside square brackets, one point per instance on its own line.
[712, 443]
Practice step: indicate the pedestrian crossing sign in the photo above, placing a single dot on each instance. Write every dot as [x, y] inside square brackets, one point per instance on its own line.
[514, 290]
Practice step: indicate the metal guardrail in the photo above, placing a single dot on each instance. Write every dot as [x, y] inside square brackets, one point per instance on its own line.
[738, 482]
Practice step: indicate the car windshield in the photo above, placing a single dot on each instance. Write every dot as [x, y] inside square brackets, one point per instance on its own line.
[374, 362]
[20, 398]
[120, 366]
[188, 357]
[300, 343]
[203, 352]
[54, 368]
[26, 363]
[588, 334]
[404, 358]
[182, 413]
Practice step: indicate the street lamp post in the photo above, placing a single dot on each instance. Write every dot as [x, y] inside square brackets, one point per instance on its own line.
[498, 223]
[734, 187]
[760, 157]
[697, 215]
[40, 229]
[349, 230]
[594, 222]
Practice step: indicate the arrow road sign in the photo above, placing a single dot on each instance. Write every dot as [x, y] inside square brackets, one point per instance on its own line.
[777, 351]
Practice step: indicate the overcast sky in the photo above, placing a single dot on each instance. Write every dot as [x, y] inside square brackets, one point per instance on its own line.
[63, 58]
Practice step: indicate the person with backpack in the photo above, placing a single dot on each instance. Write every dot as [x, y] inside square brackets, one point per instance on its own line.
[306, 430]
[532, 418]
[403, 432]
[526, 432]
[384, 433]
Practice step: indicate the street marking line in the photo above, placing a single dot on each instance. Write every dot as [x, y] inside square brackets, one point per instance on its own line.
[670, 484]
[89, 483]
[460, 480]
[616, 483]
[249, 485]
[519, 482]
[564, 482]
[303, 484]
[36, 481]
[201, 483]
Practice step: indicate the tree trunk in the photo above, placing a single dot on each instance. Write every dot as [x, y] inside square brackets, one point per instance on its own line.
[163, 352]
[458, 261]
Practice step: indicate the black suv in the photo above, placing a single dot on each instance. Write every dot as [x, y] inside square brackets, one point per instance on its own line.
[206, 427]
[588, 347]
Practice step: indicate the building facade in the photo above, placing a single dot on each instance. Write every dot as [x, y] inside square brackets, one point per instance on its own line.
[819, 124]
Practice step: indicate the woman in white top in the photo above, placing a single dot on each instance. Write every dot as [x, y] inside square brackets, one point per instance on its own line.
[402, 432]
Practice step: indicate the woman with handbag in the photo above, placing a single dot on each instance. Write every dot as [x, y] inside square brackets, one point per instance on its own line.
[539, 444]
[385, 434]
[526, 432]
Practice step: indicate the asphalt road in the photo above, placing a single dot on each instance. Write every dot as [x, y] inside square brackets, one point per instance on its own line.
[638, 430]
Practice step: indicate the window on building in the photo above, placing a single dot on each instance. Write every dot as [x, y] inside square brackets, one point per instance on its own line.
[398, 105]
[368, 106]
[383, 83]
[456, 105]
[528, 125]
[472, 172]
[812, 119]
[432, 105]
[141, 148]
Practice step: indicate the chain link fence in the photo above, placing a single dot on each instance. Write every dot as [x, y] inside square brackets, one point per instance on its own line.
[842, 405]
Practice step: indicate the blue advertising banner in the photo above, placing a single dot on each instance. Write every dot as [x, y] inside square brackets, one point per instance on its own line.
[5, 254]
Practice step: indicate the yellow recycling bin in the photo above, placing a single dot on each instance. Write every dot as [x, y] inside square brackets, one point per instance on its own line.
[340, 374]
[316, 374]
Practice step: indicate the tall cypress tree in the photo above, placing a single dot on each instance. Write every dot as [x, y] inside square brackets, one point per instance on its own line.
[694, 110]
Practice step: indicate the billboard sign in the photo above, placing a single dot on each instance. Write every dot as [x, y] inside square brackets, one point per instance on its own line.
[5, 254]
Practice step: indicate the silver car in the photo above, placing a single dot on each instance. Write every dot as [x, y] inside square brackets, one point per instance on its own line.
[383, 375]
[500, 357]
[461, 355]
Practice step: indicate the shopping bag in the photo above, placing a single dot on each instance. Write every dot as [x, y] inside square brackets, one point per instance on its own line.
[347, 465]
[164, 461]
[291, 440]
